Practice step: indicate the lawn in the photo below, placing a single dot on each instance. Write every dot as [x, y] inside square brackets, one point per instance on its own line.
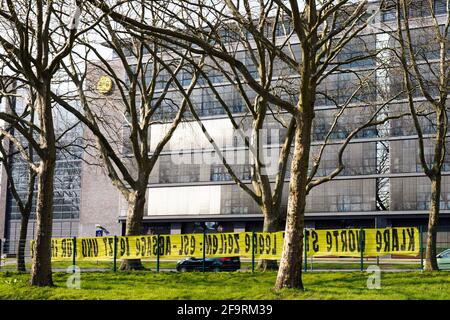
[236, 285]
[245, 265]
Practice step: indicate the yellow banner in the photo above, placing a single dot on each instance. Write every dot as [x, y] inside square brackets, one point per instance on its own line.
[170, 246]
[95, 248]
[86, 248]
[344, 242]
[397, 241]
[268, 245]
[61, 249]
[374, 242]
[337, 243]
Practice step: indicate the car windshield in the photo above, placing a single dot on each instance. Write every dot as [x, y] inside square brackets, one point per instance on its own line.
[445, 254]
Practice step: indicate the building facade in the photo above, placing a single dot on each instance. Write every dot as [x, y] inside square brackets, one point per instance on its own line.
[382, 183]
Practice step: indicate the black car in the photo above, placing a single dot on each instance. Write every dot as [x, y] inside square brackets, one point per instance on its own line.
[211, 264]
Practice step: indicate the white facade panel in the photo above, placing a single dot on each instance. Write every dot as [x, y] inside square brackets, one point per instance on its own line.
[184, 200]
[189, 135]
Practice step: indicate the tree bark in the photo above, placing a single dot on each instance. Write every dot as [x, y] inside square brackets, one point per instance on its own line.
[272, 223]
[22, 242]
[433, 219]
[135, 214]
[290, 271]
[41, 270]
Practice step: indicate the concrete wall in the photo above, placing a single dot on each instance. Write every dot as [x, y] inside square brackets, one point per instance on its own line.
[99, 202]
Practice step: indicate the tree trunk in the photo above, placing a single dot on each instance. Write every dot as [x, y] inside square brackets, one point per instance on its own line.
[135, 214]
[433, 218]
[41, 270]
[290, 271]
[272, 223]
[22, 242]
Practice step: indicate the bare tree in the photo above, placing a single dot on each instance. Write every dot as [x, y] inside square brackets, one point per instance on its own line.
[121, 122]
[268, 71]
[267, 195]
[36, 37]
[10, 144]
[426, 73]
[323, 30]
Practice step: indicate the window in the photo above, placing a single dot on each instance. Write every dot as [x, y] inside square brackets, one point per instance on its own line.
[283, 28]
[236, 201]
[146, 69]
[182, 173]
[343, 203]
[161, 79]
[148, 73]
[388, 15]
[440, 7]
[67, 186]
[209, 105]
[220, 173]
[186, 77]
[214, 75]
[356, 52]
[249, 63]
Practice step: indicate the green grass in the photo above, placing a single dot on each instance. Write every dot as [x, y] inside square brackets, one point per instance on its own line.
[235, 285]
[245, 265]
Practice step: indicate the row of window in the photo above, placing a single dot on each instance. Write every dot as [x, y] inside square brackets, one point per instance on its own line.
[67, 190]
[418, 8]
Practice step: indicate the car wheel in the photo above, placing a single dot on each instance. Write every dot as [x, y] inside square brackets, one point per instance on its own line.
[183, 269]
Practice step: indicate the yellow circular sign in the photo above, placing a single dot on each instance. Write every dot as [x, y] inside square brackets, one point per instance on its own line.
[104, 85]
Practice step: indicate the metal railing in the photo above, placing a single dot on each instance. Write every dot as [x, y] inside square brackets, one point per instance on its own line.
[9, 249]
